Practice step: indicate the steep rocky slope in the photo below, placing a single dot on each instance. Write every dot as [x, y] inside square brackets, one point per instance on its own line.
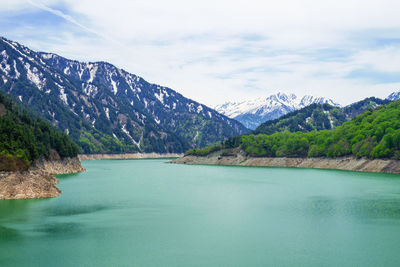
[105, 109]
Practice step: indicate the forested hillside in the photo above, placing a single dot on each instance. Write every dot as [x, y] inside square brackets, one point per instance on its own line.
[373, 134]
[24, 138]
[318, 117]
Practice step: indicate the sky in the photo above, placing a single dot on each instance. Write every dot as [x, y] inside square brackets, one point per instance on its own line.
[214, 51]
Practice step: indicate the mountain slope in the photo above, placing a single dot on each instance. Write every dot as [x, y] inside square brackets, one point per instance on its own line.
[394, 96]
[318, 117]
[24, 139]
[106, 109]
[373, 134]
[254, 112]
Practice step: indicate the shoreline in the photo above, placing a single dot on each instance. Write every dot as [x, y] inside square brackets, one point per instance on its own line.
[84, 157]
[38, 181]
[343, 163]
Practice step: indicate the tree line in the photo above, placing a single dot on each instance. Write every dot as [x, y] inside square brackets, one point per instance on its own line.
[28, 138]
[373, 134]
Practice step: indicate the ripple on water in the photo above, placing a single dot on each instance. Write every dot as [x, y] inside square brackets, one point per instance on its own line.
[365, 209]
[7, 233]
[75, 210]
[64, 228]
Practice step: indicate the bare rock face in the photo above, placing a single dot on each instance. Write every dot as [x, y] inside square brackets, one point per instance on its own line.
[345, 163]
[28, 184]
[39, 180]
[60, 166]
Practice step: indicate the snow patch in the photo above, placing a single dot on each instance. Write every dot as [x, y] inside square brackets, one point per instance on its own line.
[34, 76]
[190, 107]
[114, 85]
[67, 71]
[196, 135]
[160, 97]
[63, 95]
[17, 74]
[89, 89]
[107, 110]
[128, 134]
[4, 66]
[92, 70]
[47, 56]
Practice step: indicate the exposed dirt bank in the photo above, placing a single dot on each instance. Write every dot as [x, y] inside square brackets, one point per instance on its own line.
[83, 157]
[38, 181]
[345, 163]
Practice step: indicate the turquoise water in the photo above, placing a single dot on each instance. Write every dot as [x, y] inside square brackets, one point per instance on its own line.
[149, 213]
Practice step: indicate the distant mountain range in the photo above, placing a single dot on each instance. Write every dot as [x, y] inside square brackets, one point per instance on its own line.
[105, 109]
[255, 112]
[252, 113]
[394, 96]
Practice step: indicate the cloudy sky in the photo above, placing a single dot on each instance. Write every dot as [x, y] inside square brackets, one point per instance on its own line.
[215, 51]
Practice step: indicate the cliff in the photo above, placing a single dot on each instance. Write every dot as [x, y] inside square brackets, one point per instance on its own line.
[83, 157]
[39, 180]
[239, 158]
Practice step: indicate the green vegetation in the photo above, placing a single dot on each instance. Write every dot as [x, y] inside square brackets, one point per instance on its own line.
[204, 151]
[313, 117]
[373, 134]
[26, 138]
[317, 117]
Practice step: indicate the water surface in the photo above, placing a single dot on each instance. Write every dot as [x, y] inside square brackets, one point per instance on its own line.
[149, 213]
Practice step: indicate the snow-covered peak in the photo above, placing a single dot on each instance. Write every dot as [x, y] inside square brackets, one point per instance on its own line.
[308, 100]
[253, 112]
[394, 96]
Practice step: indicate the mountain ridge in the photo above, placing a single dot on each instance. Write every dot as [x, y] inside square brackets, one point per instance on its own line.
[318, 117]
[252, 113]
[106, 109]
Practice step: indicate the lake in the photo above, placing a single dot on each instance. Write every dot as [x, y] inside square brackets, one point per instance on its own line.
[149, 213]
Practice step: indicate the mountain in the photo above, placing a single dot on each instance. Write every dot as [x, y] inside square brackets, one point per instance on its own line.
[254, 112]
[394, 96]
[318, 117]
[24, 138]
[357, 108]
[105, 109]
[373, 134]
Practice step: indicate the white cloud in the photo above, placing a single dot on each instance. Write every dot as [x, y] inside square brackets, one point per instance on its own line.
[213, 51]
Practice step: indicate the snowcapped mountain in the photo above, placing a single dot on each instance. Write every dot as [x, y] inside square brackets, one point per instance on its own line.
[252, 113]
[106, 109]
[394, 96]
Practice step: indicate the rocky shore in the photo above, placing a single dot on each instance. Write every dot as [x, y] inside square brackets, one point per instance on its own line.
[83, 157]
[39, 180]
[239, 158]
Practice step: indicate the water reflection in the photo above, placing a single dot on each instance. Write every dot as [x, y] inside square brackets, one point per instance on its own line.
[63, 228]
[355, 208]
[373, 208]
[8, 234]
[18, 209]
[74, 210]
